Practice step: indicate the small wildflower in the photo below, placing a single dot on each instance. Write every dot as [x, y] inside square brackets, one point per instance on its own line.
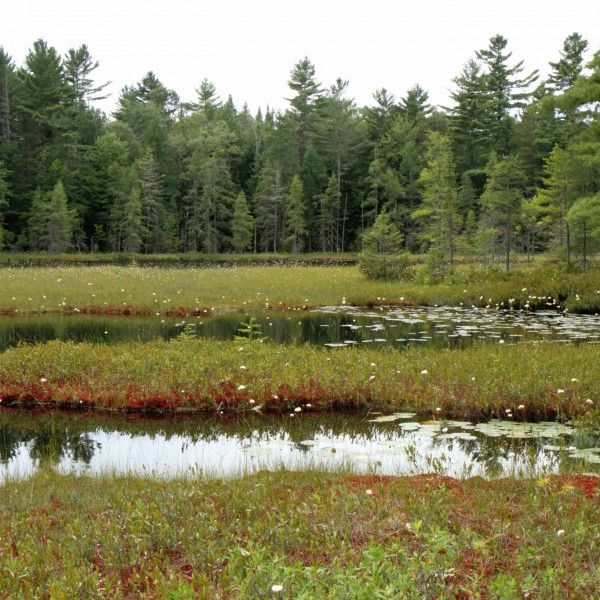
[309, 406]
[438, 409]
[521, 407]
[297, 409]
[369, 492]
[445, 430]
[560, 533]
[372, 378]
[373, 365]
[276, 588]
[243, 367]
[589, 401]
[560, 391]
[424, 372]
[574, 379]
[241, 387]
[43, 380]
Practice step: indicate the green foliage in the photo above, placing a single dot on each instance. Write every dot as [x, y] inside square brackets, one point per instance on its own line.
[295, 216]
[242, 224]
[381, 257]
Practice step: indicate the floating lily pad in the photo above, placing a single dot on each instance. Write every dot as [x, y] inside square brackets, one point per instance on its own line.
[392, 417]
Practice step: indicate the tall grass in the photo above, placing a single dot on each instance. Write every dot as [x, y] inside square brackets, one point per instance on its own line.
[130, 289]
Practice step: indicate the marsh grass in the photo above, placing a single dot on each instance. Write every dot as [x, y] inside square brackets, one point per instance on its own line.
[327, 536]
[179, 291]
[528, 380]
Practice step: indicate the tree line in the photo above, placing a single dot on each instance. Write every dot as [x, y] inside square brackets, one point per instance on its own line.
[513, 164]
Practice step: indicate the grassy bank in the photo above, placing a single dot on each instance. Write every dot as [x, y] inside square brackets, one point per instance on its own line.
[324, 536]
[180, 291]
[545, 380]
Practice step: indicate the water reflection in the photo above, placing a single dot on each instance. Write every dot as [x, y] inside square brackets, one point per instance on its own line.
[439, 327]
[88, 443]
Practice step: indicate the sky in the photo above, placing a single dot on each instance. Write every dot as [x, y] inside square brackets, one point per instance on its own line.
[247, 48]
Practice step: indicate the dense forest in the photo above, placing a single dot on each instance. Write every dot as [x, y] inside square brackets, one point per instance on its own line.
[512, 165]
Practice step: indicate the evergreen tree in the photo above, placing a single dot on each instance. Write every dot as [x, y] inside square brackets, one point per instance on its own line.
[570, 65]
[78, 67]
[60, 221]
[208, 99]
[308, 91]
[380, 257]
[468, 119]
[415, 105]
[440, 208]
[151, 191]
[584, 218]
[132, 228]
[36, 222]
[295, 222]
[503, 198]
[328, 210]
[242, 224]
[562, 186]
[269, 202]
[505, 90]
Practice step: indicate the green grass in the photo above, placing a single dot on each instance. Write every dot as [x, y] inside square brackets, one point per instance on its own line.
[323, 536]
[130, 289]
[549, 380]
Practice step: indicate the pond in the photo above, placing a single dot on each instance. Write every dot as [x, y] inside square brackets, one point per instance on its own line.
[379, 444]
[439, 327]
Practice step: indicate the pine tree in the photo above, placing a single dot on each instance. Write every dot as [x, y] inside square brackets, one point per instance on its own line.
[328, 211]
[151, 189]
[269, 202]
[563, 182]
[505, 90]
[308, 91]
[467, 119]
[295, 221]
[440, 208]
[503, 198]
[242, 224]
[36, 222]
[78, 66]
[60, 221]
[415, 105]
[380, 257]
[132, 228]
[569, 68]
[208, 99]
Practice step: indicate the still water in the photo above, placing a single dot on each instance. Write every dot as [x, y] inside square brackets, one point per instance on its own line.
[439, 327]
[395, 444]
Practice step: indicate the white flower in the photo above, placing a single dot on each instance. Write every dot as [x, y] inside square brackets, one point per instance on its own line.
[373, 365]
[297, 409]
[43, 380]
[369, 492]
[241, 387]
[243, 367]
[372, 378]
[445, 430]
[309, 406]
[424, 372]
[560, 391]
[574, 379]
[560, 533]
[521, 407]
[589, 401]
[276, 588]
[251, 401]
[438, 409]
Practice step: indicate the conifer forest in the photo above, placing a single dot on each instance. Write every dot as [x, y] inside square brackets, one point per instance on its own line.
[511, 165]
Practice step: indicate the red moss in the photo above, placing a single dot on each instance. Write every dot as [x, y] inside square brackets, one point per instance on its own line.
[586, 484]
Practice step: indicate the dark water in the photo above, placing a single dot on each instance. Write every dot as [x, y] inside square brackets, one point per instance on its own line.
[88, 443]
[434, 326]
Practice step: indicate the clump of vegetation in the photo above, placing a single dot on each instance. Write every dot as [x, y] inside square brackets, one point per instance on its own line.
[532, 381]
[324, 534]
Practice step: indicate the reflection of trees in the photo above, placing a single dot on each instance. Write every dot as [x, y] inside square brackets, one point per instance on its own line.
[49, 441]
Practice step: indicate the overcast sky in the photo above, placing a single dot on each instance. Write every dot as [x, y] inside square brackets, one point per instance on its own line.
[247, 48]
